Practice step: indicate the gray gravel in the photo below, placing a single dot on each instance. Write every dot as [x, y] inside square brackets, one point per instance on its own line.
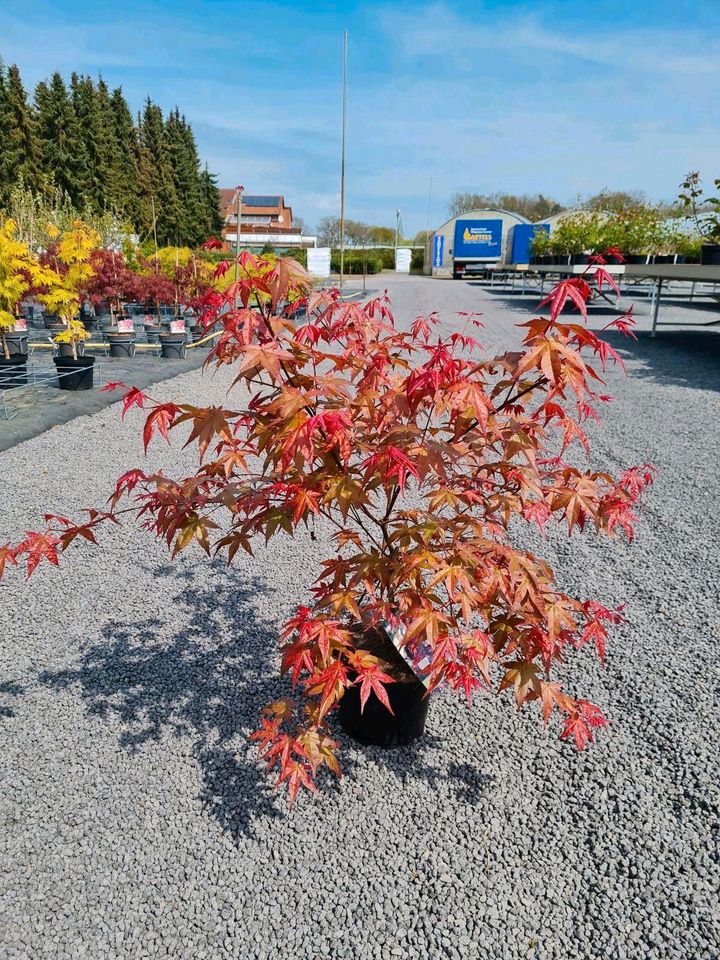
[135, 822]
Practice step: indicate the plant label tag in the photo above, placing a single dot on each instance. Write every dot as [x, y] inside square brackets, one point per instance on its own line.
[419, 663]
[125, 325]
[20, 324]
[177, 326]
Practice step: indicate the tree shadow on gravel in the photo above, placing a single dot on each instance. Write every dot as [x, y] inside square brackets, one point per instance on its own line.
[9, 688]
[686, 358]
[207, 679]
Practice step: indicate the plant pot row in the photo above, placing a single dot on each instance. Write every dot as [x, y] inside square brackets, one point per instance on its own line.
[710, 257]
[73, 374]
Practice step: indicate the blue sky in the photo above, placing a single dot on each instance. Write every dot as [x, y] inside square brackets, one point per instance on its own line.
[564, 97]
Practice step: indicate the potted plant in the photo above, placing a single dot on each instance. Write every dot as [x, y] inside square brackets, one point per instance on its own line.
[540, 247]
[75, 370]
[14, 284]
[705, 212]
[421, 453]
[173, 343]
[122, 339]
[154, 289]
[110, 285]
[60, 278]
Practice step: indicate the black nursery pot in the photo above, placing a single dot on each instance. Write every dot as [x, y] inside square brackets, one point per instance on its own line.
[173, 346]
[66, 350]
[75, 374]
[710, 255]
[121, 344]
[13, 371]
[152, 334]
[376, 725]
[635, 258]
[17, 343]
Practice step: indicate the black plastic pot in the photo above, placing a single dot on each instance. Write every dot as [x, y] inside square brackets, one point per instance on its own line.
[51, 320]
[66, 350]
[376, 725]
[172, 346]
[664, 258]
[635, 258]
[121, 344]
[17, 342]
[75, 374]
[710, 255]
[13, 372]
[579, 258]
[152, 334]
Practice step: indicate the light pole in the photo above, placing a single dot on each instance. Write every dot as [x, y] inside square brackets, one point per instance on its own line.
[342, 162]
[239, 191]
[397, 230]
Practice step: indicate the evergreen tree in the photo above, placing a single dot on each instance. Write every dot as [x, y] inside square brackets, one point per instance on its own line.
[110, 151]
[127, 139]
[187, 178]
[82, 139]
[21, 149]
[60, 138]
[5, 127]
[212, 217]
[95, 172]
[155, 155]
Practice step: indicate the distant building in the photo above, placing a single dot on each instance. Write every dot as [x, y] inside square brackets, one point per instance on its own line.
[264, 219]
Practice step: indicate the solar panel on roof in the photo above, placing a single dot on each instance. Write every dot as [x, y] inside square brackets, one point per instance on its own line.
[261, 201]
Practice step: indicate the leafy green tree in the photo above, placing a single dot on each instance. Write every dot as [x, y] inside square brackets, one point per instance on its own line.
[534, 208]
[61, 143]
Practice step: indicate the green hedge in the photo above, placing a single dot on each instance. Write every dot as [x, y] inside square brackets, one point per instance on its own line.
[417, 260]
[356, 261]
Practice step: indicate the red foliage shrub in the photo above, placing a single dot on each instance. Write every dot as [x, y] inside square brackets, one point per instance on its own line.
[419, 452]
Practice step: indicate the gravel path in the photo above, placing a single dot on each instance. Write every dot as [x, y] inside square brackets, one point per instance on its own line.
[135, 823]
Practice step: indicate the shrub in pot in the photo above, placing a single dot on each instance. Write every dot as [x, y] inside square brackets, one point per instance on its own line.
[75, 370]
[419, 452]
[15, 262]
[60, 279]
[705, 212]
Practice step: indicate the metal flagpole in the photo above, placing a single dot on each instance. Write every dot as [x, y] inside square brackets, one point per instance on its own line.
[427, 222]
[237, 239]
[342, 162]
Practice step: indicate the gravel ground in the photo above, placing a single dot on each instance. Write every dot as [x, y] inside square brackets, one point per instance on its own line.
[137, 824]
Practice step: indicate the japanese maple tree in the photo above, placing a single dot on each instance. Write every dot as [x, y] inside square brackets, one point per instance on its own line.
[419, 452]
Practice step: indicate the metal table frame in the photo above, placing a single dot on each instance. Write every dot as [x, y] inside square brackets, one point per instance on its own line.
[657, 275]
[38, 377]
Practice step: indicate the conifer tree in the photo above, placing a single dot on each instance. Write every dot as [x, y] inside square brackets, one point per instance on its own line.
[161, 184]
[187, 178]
[212, 217]
[110, 151]
[5, 126]
[127, 139]
[95, 168]
[21, 149]
[60, 139]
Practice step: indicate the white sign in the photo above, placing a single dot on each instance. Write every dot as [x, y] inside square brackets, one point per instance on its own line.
[403, 255]
[177, 326]
[125, 325]
[20, 324]
[318, 261]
